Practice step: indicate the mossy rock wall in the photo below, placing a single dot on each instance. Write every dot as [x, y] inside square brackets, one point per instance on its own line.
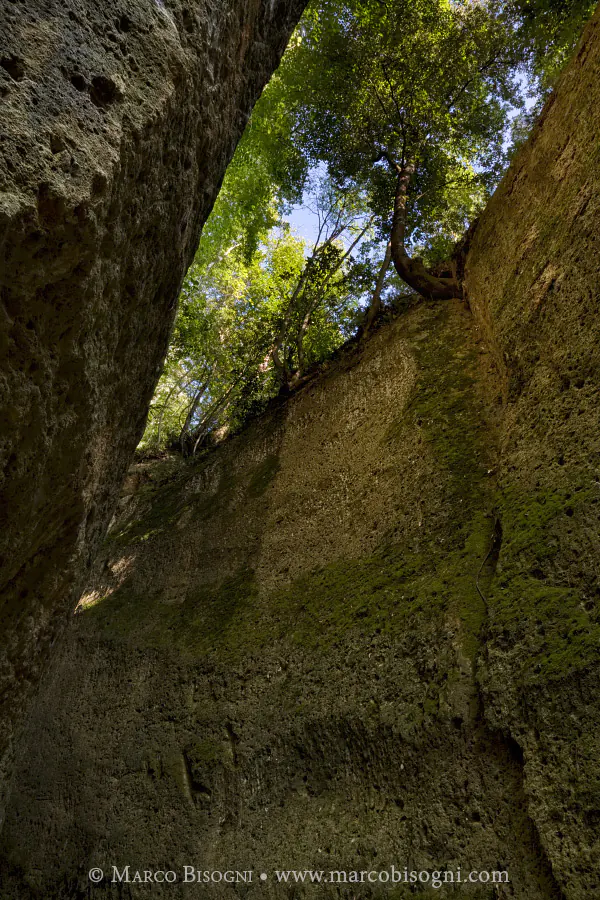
[275, 666]
[533, 278]
[364, 632]
[117, 121]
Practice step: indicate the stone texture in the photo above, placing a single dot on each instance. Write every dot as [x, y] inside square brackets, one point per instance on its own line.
[533, 278]
[274, 665]
[117, 120]
[365, 631]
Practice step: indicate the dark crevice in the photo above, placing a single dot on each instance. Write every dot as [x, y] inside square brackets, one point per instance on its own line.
[79, 82]
[515, 750]
[14, 66]
[489, 565]
[512, 751]
[196, 787]
[507, 747]
[103, 92]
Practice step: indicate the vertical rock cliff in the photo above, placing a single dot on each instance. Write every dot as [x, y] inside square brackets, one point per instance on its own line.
[274, 667]
[533, 279]
[364, 632]
[117, 120]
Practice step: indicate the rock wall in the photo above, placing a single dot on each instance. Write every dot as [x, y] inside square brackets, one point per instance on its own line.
[117, 122]
[364, 632]
[533, 277]
[275, 664]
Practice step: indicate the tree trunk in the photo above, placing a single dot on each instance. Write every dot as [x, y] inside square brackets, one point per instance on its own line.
[185, 431]
[412, 271]
[375, 304]
[281, 365]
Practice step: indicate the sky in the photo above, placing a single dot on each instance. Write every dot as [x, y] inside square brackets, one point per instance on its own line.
[304, 222]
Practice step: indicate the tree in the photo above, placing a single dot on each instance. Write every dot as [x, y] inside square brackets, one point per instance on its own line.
[324, 287]
[248, 329]
[265, 177]
[405, 107]
[421, 129]
[548, 32]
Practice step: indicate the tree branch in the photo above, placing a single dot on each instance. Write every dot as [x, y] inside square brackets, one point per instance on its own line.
[412, 271]
[375, 304]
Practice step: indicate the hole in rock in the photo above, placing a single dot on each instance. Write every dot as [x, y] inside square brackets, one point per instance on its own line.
[78, 82]
[57, 143]
[14, 66]
[514, 750]
[103, 92]
[188, 21]
[123, 24]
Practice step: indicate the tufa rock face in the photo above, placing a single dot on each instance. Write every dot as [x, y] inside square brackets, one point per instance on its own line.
[274, 666]
[533, 276]
[364, 632]
[117, 120]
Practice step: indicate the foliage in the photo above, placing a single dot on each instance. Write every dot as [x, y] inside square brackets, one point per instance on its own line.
[266, 175]
[403, 111]
[249, 327]
[324, 295]
[433, 84]
[548, 32]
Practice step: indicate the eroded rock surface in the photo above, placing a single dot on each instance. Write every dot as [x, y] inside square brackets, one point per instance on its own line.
[275, 665]
[533, 278]
[364, 632]
[117, 119]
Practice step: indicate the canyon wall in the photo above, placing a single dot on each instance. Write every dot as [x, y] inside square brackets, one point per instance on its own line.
[117, 120]
[533, 281]
[364, 632]
[274, 666]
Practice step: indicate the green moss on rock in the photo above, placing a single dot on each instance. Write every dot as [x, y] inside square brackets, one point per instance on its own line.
[534, 607]
[405, 584]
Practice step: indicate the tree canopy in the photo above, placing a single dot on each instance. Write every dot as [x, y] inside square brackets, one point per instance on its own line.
[548, 31]
[401, 114]
[250, 325]
[422, 128]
